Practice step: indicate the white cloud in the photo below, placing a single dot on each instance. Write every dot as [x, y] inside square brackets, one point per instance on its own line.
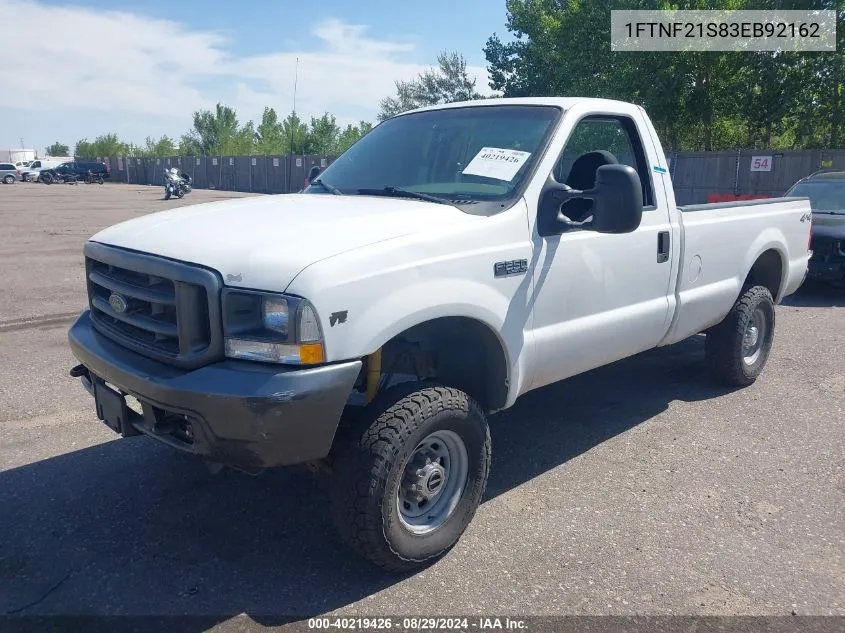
[137, 75]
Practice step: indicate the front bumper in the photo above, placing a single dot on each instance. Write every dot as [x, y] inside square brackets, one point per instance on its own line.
[243, 414]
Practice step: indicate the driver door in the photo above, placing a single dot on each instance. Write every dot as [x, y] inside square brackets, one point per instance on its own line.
[601, 297]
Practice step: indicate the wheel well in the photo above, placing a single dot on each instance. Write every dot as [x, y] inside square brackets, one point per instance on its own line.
[767, 271]
[458, 352]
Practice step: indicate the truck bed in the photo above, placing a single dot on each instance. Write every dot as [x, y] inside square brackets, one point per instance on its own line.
[714, 262]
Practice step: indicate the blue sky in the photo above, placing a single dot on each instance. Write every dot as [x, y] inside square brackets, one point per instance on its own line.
[141, 68]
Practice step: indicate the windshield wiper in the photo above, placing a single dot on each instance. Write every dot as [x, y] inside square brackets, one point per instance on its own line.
[404, 193]
[327, 187]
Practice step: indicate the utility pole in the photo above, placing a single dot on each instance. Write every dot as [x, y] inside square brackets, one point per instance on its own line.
[290, 152]
[295, 82]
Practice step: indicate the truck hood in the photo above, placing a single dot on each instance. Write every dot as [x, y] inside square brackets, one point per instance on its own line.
[830, 225]
[264, 242]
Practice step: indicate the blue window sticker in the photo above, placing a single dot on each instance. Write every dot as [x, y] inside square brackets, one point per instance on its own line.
[658, 169]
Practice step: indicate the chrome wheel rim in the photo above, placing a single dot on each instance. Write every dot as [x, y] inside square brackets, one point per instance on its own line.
[432, 482]
[754, 337]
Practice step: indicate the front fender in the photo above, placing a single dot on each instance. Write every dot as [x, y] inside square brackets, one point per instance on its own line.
[406, 307]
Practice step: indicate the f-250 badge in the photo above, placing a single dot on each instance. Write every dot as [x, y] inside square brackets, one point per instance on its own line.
[512, 267]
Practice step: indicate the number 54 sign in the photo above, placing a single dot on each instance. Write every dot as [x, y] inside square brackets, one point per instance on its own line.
[761, 163]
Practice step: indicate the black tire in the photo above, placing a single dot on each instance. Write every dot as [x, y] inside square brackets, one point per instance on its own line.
[167, 193]
[370, 466]
[47, 179]
[729, 356]
[9, 180]
[180, 193]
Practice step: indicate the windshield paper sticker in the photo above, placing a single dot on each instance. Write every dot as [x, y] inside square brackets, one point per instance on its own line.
[494, 162]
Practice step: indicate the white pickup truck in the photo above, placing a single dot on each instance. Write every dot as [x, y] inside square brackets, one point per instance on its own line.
[455, 258]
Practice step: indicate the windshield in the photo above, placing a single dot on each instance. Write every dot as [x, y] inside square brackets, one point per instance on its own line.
[824, 195]
[466, 155]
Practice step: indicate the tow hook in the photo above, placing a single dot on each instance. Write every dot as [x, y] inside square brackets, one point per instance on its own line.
[79, 371]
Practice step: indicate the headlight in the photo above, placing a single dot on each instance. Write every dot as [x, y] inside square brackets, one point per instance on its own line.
[270, 327]
[274, 312]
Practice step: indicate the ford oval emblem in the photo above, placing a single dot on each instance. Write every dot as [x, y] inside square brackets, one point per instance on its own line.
[118, 303]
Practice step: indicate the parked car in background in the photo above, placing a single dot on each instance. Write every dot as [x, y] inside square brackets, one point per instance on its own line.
[32, 172]
[81, 169]
[9, 173]
[826, 191]
[84, 167]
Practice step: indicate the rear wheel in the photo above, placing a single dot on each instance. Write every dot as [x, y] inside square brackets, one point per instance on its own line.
[737, 349]
[407, 486]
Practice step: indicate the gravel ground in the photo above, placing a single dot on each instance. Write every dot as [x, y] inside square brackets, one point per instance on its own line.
[638, 488]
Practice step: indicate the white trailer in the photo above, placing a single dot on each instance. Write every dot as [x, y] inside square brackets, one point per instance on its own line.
[16, 156]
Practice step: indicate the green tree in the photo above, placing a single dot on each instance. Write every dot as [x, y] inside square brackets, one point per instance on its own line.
[57, 149]
[697, 100]
[351, 135]
[270, 134]
[241, 143]
[189, 145]
[83, 149]
[447, 83]
[101, 147]
[818, 119]
[160, 148]
[295, 134]
[323, 135]
[213, 131]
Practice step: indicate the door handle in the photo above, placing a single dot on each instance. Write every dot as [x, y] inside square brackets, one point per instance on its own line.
[662, 247]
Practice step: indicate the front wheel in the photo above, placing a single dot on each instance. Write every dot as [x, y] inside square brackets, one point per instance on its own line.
[167, 193]
[9, 180]
[738, 347]
[406, 488]
[47, 179]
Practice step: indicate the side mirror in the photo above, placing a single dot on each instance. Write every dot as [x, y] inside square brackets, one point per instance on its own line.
[617, 203]
[617, 200]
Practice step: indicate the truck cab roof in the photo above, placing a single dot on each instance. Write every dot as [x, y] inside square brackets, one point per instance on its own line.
[564, 103]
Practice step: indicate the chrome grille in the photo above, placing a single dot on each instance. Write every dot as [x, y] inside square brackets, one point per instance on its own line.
[163, 309]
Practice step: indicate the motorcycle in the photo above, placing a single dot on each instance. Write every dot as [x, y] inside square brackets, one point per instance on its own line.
[176, 184]
[50, 176]
[91, 178]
